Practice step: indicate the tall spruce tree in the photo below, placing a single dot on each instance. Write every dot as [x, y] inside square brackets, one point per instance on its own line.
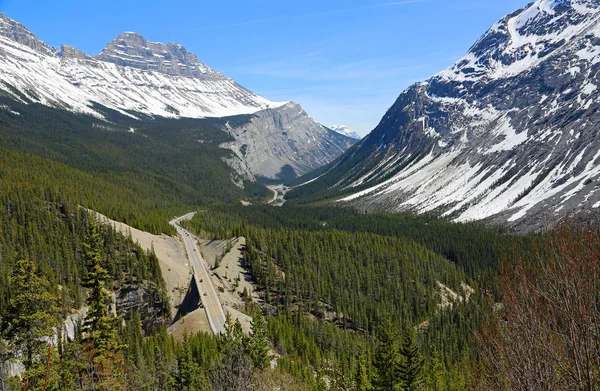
[99, 326]
[387, 360]
[234, 372]
[362, 373]
[31, 318]
[411, 367]
[233, 339]
[188, 371]
[258, 343]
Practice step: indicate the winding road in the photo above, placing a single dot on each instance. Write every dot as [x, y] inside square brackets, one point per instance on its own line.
[208, 294]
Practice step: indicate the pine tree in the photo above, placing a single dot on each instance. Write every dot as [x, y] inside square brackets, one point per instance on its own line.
[98, 328]
[133, 336]
[233, 339]
[234, 372]
[435, 372]
[411, 367]
[387, 360]
[258, 342]
[362, 376]
[45, 374]
[188, 376]
[32, 314]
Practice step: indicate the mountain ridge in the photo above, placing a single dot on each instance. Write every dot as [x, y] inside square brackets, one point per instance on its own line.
[141, 79]
[505, 134]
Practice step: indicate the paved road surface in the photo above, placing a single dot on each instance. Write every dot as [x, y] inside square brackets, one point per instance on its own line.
[208, 294]
[275, 194]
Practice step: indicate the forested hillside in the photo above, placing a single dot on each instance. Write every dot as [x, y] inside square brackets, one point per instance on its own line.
[349, 301]
[161, 163]
[370, 282]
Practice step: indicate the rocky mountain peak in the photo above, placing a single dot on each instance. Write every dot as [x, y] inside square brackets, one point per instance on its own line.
[15, 31]
[133, 50]
[69, 52]
[525, 38]
[343, 129]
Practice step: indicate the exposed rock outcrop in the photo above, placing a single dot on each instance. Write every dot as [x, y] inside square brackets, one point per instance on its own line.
[285, 136]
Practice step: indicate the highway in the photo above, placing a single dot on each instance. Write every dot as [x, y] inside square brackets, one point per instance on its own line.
[208, 294]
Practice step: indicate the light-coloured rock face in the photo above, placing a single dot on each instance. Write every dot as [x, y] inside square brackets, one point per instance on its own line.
[15, 31]
[285, 135]
[133, 50]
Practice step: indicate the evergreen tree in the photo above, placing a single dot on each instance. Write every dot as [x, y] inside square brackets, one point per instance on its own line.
[387, 360]
[233, 340]
[31, 317]
[258, 342]
[435, 372]
[133, 337]
[234, 372]
[99, 330]
[411, 367]
[188, 377]
[362, 375]
[44, 375]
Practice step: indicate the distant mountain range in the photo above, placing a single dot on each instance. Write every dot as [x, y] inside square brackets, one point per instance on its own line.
[141, 80]
[510, 133]
[343, 129]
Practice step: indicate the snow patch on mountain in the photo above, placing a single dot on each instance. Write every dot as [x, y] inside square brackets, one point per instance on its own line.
[343, 129]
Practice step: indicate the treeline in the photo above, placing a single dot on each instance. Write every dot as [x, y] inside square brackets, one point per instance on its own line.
[139, 201]
[363, 276]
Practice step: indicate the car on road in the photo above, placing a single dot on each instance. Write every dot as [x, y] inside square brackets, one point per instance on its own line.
[205, 294]
[201, 280]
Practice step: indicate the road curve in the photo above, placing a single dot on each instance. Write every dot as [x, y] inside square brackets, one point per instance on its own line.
[208, 294]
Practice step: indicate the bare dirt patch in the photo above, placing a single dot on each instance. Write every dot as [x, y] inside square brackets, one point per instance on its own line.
[230, 278]
[194, 322]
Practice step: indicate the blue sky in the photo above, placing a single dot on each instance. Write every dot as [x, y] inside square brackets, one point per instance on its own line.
[344, 61]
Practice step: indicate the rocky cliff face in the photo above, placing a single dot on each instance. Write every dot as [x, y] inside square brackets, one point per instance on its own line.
[144, 299]
[142, 79]
[285, 136]
[16, 32]
[509, 133]
[133, 50]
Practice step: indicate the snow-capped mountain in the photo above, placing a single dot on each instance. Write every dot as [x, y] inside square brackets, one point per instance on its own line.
[139, 79]
[130, 75]
[509, 133]
[343, 129]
